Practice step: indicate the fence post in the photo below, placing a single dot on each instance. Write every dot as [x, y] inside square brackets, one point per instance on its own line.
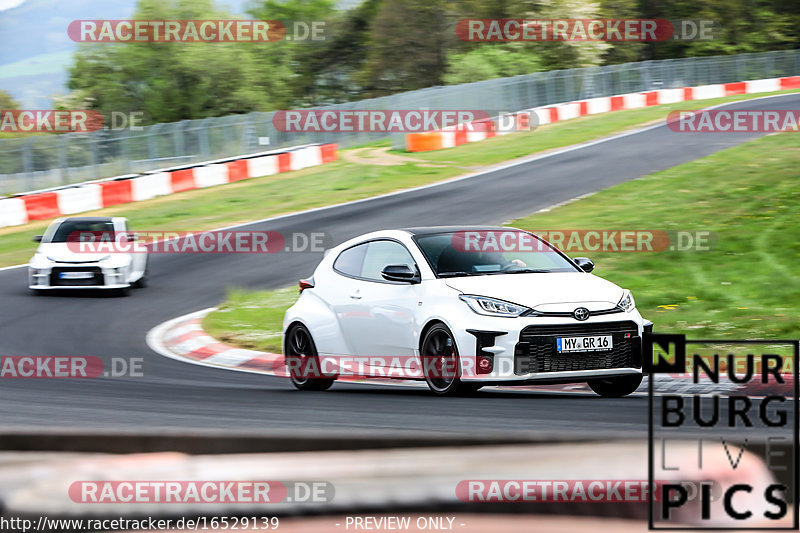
[177, 138]
[27, 157]
[63, 170]
[91, 140]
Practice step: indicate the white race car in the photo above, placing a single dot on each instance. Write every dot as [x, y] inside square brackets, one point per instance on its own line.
[462, 308]
[63, 261]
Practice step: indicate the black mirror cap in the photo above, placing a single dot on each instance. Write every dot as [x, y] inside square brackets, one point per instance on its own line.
[38, 238]
[584, 263]
[403, 273]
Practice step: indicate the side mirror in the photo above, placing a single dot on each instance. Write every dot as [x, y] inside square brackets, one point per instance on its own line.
[402, 273]
[584, 263]
[38, 238]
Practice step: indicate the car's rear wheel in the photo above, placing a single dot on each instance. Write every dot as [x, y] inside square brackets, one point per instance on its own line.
[302, 360]
[616, 387]
[440, 363]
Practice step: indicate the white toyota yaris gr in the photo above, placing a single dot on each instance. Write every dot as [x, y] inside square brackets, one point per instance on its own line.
[462, 307]
[64, 261]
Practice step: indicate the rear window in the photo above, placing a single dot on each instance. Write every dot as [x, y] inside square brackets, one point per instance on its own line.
[350, 261]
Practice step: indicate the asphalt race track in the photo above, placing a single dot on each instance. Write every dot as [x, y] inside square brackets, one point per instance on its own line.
[177, 395]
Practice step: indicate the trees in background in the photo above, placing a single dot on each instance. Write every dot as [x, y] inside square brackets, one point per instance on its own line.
[380, 47]
[177, 81]
[7, 101]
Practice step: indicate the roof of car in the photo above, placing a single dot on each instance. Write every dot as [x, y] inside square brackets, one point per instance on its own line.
[88, 219]
[430, 230]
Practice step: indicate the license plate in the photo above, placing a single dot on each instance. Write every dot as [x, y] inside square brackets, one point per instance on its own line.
[594, 343]
[75, 275]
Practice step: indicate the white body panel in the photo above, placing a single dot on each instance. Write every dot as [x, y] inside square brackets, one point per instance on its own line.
[381, 323]
[119, 270]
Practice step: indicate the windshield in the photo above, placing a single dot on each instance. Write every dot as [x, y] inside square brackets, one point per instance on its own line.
[472, 253]
[63, 231]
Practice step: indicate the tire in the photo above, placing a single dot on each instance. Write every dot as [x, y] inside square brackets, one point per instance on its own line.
[301, 356]
[440, 363]
[616, 387]
[124, 291]
[469, 388]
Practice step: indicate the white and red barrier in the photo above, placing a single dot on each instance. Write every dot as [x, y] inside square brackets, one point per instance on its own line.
[18, 210]
[436, 140]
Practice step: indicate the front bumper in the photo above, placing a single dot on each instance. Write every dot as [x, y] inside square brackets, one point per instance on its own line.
[523, 350]
[102, 277]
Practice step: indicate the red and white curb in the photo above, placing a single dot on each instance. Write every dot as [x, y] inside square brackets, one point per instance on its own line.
[90, 196]
[184, 339]
[484, 129]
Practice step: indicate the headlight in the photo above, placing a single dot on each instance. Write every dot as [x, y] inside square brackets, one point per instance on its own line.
[626, 303]
[492, 307]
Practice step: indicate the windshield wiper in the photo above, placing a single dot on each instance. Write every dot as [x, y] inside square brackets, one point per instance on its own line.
[457, 274]
[526, 271]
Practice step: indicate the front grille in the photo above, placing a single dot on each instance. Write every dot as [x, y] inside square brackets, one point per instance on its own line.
[536, 350]
[56, 281]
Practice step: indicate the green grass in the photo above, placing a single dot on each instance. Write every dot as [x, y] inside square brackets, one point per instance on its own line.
[251, 319]
[343, 181]
[748, 196]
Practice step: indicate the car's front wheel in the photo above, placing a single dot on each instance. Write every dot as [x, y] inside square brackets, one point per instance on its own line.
[616, 387]
[440, 363]
[302, 360]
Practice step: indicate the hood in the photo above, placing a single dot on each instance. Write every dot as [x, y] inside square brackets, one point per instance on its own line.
[556, 291]
[60, 251]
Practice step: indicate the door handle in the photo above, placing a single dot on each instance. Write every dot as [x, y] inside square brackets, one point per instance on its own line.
[355, 295]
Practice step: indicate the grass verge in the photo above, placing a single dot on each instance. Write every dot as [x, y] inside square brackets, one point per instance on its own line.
[343, 181]
[744, 287]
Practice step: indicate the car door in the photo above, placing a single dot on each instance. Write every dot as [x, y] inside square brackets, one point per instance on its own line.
[382, 318]
[343, 295]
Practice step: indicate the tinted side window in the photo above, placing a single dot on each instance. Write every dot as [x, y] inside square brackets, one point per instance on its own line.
[349, 261]
[382, 253]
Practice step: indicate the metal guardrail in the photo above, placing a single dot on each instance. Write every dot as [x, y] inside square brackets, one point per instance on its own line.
[43, 161]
